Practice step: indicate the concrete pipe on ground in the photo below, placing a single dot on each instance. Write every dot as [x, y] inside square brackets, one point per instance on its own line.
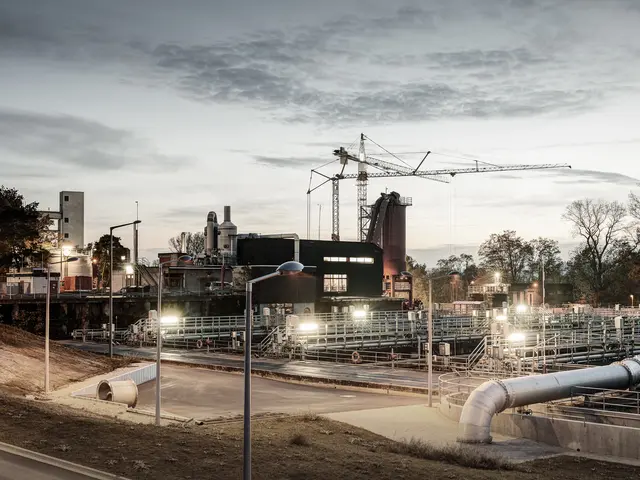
[495, 396]
[118, 391]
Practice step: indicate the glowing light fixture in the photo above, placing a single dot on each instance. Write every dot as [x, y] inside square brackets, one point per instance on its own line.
[169, 320]
[359, 314]
[308, 327]
[516, 337]
[521, 308]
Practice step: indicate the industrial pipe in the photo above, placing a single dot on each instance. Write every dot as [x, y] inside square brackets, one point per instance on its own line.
[495, 396]
[119, 391]
[296, 242]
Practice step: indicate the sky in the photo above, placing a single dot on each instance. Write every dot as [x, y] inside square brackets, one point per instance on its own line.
[189, 106]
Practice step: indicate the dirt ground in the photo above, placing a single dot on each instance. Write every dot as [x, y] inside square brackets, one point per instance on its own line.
[22, 362]
[303, 447]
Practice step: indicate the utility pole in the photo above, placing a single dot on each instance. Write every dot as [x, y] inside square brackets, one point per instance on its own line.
[544, 321]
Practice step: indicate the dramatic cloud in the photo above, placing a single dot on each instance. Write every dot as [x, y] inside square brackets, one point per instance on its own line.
[530, 57]
[74, 143]
[578, 177]
[288, 162]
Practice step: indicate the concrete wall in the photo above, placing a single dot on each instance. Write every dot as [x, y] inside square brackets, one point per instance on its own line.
[580, 436]
[587, 437]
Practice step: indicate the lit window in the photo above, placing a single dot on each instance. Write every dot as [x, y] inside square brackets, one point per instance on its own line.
[335, 259]
[335, 282]
[361, 260]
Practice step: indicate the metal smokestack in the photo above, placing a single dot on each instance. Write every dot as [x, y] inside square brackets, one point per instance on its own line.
[228, 233]
[227, 213]
[211, 234]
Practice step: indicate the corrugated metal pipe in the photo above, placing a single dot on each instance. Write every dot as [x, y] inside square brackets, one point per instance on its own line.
[296, 242]
[495, 396]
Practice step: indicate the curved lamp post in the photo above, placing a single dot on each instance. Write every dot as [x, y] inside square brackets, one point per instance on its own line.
[287, 268]
[452, 274]
[47, 319]
[183, 258]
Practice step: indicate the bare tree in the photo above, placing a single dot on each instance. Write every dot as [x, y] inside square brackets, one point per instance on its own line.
[634, 206]
[601, 225]
[194, 243]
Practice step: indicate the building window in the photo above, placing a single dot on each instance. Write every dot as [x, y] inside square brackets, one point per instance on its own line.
[361, 260]
[335, 282]
[66, 219]
[66, 198]
[335, 259]
[66, 235]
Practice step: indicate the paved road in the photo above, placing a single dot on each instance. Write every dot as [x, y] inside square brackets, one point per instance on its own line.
[17, 467]
[331, 371]
[202, 393]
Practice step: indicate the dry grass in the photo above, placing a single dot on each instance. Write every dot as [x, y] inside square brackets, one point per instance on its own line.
[300, 440]
[22, 361]
[462, 455]
[215, 451]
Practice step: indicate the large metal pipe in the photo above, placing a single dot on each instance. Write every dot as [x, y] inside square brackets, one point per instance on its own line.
[296, 242]
[495, 396]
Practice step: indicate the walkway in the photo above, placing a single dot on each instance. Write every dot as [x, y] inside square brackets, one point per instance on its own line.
[337, 372]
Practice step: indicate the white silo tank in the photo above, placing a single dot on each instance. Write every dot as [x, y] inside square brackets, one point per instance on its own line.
[228, 234]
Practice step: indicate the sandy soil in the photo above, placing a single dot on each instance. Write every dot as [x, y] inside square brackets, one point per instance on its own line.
[22, 362]
[306, 447]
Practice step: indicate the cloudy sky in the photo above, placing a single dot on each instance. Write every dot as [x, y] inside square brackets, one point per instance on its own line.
[189, 106]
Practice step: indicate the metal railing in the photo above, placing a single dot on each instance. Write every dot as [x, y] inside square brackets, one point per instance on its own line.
[627, 401]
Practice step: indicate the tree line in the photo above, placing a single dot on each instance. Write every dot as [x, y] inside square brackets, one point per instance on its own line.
[603, 269]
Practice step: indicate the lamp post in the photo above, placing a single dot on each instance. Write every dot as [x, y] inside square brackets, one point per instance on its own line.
[47, 319]
[111, 229]
[287, 268]
[430, 334]
[183, 258]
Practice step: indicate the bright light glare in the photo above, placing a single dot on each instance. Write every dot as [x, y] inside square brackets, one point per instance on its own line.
[128, 269]
[308, 327]
[501, 318]
[359, 314]
[169, 320]
[516, 337]
[521, 308]
[66, 251]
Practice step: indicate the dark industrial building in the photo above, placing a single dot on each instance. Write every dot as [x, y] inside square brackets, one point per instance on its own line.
[336, 273]
[388, 230]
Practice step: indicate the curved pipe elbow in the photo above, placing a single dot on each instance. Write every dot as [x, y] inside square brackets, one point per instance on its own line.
[484, 402]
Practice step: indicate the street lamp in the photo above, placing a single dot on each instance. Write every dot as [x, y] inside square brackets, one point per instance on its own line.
[183, 258]
[111, 229]
[47, 319]
[430, 333]
[287, 268]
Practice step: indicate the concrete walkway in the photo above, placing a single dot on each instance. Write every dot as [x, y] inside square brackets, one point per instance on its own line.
[427, 424]
[326, 371]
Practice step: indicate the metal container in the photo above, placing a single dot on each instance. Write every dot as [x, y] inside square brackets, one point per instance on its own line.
[228, 233]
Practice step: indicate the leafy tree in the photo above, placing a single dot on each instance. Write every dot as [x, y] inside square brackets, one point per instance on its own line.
[22, 230]
[508, 254]
[420, 279]
[601, 226]
[101, 250]
[194, 244]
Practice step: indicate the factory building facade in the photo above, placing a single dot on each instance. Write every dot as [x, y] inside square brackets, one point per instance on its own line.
[336, 273]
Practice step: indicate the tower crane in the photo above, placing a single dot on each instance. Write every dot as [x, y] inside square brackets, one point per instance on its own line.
[389, 169]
